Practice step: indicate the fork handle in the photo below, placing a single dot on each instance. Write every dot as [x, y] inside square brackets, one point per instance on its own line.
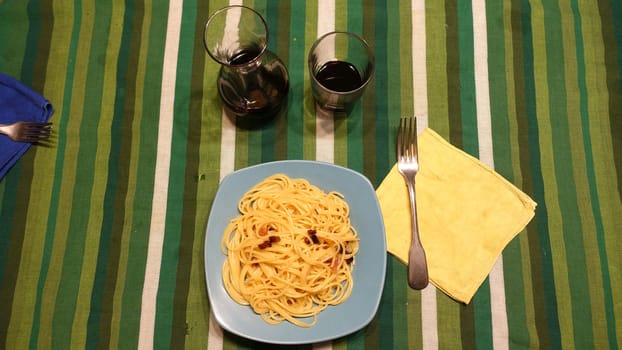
[417, 265]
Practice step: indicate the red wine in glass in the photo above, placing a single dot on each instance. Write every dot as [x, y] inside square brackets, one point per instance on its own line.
[339, 76]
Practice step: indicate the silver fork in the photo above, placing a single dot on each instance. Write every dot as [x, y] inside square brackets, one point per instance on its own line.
[27, 131]
[408, 166]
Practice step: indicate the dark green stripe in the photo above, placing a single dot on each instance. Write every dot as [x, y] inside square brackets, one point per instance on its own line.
[482, 316]
[466, 76]
[611, 27]
[548, 323]
[12, 50]
[20, 181]
[7, 212]
[612, 37]
[32, 40]
[454, 108]
[382, 162]
[383, 322]
[467, 326]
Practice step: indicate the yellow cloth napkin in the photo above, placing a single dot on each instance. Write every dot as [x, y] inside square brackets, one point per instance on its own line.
[467, 214]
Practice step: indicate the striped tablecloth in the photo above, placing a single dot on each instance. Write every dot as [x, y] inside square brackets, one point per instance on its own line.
[102, 230]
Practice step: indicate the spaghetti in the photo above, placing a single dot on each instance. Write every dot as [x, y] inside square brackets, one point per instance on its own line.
[290, 252]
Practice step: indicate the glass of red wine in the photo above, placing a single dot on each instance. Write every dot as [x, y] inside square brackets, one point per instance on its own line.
[341, 65]
[252, 82]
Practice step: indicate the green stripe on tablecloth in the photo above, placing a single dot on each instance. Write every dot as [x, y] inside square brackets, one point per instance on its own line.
[100, 143]
[137, 254]
[547, 323]
[440, 34]
[605, 162]
[16, 293]
[436, 61]
[601, 24]
[353, 125]
[134, 108]
[452, 73]
[255, 137]
[612, 34]
[345, 19]
[12, 214]
[481, 303]
[114, 99]
[608, 155]
[11, 273]
[534, 279]
[375, 124]
[398, 65]
[277, 19]
[406, 86]
[15, 48]
[458, 65]
[552, 240]
[204, 76]
[177, 202]
[577, 100]
[499, 65]
[58, 91]
[299, 37]
[192, 229]
[466, 73]
[565, 134]
[56, 323]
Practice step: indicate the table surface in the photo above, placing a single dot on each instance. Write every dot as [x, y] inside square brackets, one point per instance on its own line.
[102, 230]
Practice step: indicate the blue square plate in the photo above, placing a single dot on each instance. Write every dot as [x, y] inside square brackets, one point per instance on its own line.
[370, 263]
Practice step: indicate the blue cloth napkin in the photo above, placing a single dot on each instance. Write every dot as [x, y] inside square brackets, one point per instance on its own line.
[18, 102]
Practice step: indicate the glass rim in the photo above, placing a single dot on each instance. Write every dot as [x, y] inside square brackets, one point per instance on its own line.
[371, 63]
[224, 10]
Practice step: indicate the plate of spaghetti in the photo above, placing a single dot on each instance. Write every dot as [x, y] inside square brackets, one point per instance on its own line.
[295, 252]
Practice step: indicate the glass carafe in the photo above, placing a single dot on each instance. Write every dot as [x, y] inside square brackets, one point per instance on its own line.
[252, 82]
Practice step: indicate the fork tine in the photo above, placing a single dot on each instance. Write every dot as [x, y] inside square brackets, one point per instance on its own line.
[37, 126]
[413, 137]
[400, 139]
[407, 138]
[35, 132]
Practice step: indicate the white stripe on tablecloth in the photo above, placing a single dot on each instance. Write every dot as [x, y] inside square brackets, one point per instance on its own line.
[160, 186]
[227, 146]
[420, 106]
[484, 135]
[324, 121]
[214, 334]
[420, 76]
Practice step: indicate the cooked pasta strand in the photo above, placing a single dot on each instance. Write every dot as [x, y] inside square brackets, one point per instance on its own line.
[290, 252]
